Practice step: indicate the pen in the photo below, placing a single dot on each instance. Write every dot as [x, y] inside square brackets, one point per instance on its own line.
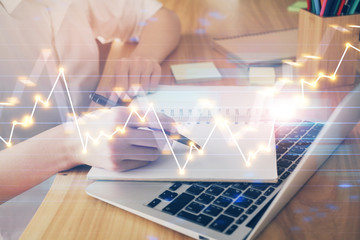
[103, 101]
[340, 7]
[353, 6]
[176, 137]
[317, 6]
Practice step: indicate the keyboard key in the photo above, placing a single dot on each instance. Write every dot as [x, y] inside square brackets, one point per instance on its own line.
[195, 207]
[260, 200]
[260, 186]
[232, 193]
[286, 143]
[240, 186]
[194, 189]
[213, 210]
[280, 170]
[201, 219]
[204, 184]
[278, 183]
[283, 131]
[175, 186]
[242, 219]
[297, 150]
[221, 223]
[243, 202]
[154, 202]
[313, 132]
[302, 129]
[251, 209]
[234, 211]
[231, 229]
[295, 135]
[285, 175]
[223, 184]
[180, 202]
[290, 157]
[292, 167]
[304, 143]
[222, 201]
[280, 149]
[284, 163]
[214, 190]
[311, 135]
[318, 127]
[269, 191]
[205, 198]
[306, 125]
[168, 196]
[252, 193]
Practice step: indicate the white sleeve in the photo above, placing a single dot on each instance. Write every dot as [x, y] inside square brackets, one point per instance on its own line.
[123, 19]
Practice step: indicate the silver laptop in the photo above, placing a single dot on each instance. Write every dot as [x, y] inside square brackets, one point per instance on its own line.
[219, 210]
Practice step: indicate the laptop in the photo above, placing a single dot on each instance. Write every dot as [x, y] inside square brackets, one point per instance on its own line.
[239, 210]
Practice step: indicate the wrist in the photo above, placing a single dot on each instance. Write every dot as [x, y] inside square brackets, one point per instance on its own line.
[72, 147]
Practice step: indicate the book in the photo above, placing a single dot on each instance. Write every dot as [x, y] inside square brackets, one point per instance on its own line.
[222, 158]
[268, 48]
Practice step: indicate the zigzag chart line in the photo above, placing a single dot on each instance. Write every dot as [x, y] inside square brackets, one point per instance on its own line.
[29, 121]
[321, 75]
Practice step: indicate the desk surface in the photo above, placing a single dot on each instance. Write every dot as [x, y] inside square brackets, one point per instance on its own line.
[327, 207]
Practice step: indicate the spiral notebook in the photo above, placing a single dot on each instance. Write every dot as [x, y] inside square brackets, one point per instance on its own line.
[268, 48]
[230, 123]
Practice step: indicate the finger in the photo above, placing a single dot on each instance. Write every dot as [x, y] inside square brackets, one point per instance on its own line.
[167, 123]
[146, 75]
[140, 138]
[128, 117]
[126, 165]
[103, 87]
[138, 153]
[134, 77]
[138, 119]
[122, 77]
[155, 77]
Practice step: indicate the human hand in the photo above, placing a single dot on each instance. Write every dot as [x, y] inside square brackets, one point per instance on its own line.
[111, 148]
[133, 76]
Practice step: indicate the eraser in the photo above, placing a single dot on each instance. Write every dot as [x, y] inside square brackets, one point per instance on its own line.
[195, 72]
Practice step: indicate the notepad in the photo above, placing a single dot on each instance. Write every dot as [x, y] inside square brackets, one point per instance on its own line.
[259, 49]
[262, 75]
[235, 133]
[195, 72]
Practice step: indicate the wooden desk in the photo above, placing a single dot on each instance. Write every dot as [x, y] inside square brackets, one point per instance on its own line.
[323, 209]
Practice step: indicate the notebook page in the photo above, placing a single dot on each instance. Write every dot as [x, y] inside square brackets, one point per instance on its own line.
[243, 149]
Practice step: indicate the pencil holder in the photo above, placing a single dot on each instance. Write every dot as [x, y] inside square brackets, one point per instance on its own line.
[325, 56]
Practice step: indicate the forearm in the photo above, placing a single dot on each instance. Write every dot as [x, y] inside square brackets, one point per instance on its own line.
[27, 164]
[160, 37]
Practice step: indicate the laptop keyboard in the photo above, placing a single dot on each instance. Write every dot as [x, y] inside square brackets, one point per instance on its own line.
[223, 206]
